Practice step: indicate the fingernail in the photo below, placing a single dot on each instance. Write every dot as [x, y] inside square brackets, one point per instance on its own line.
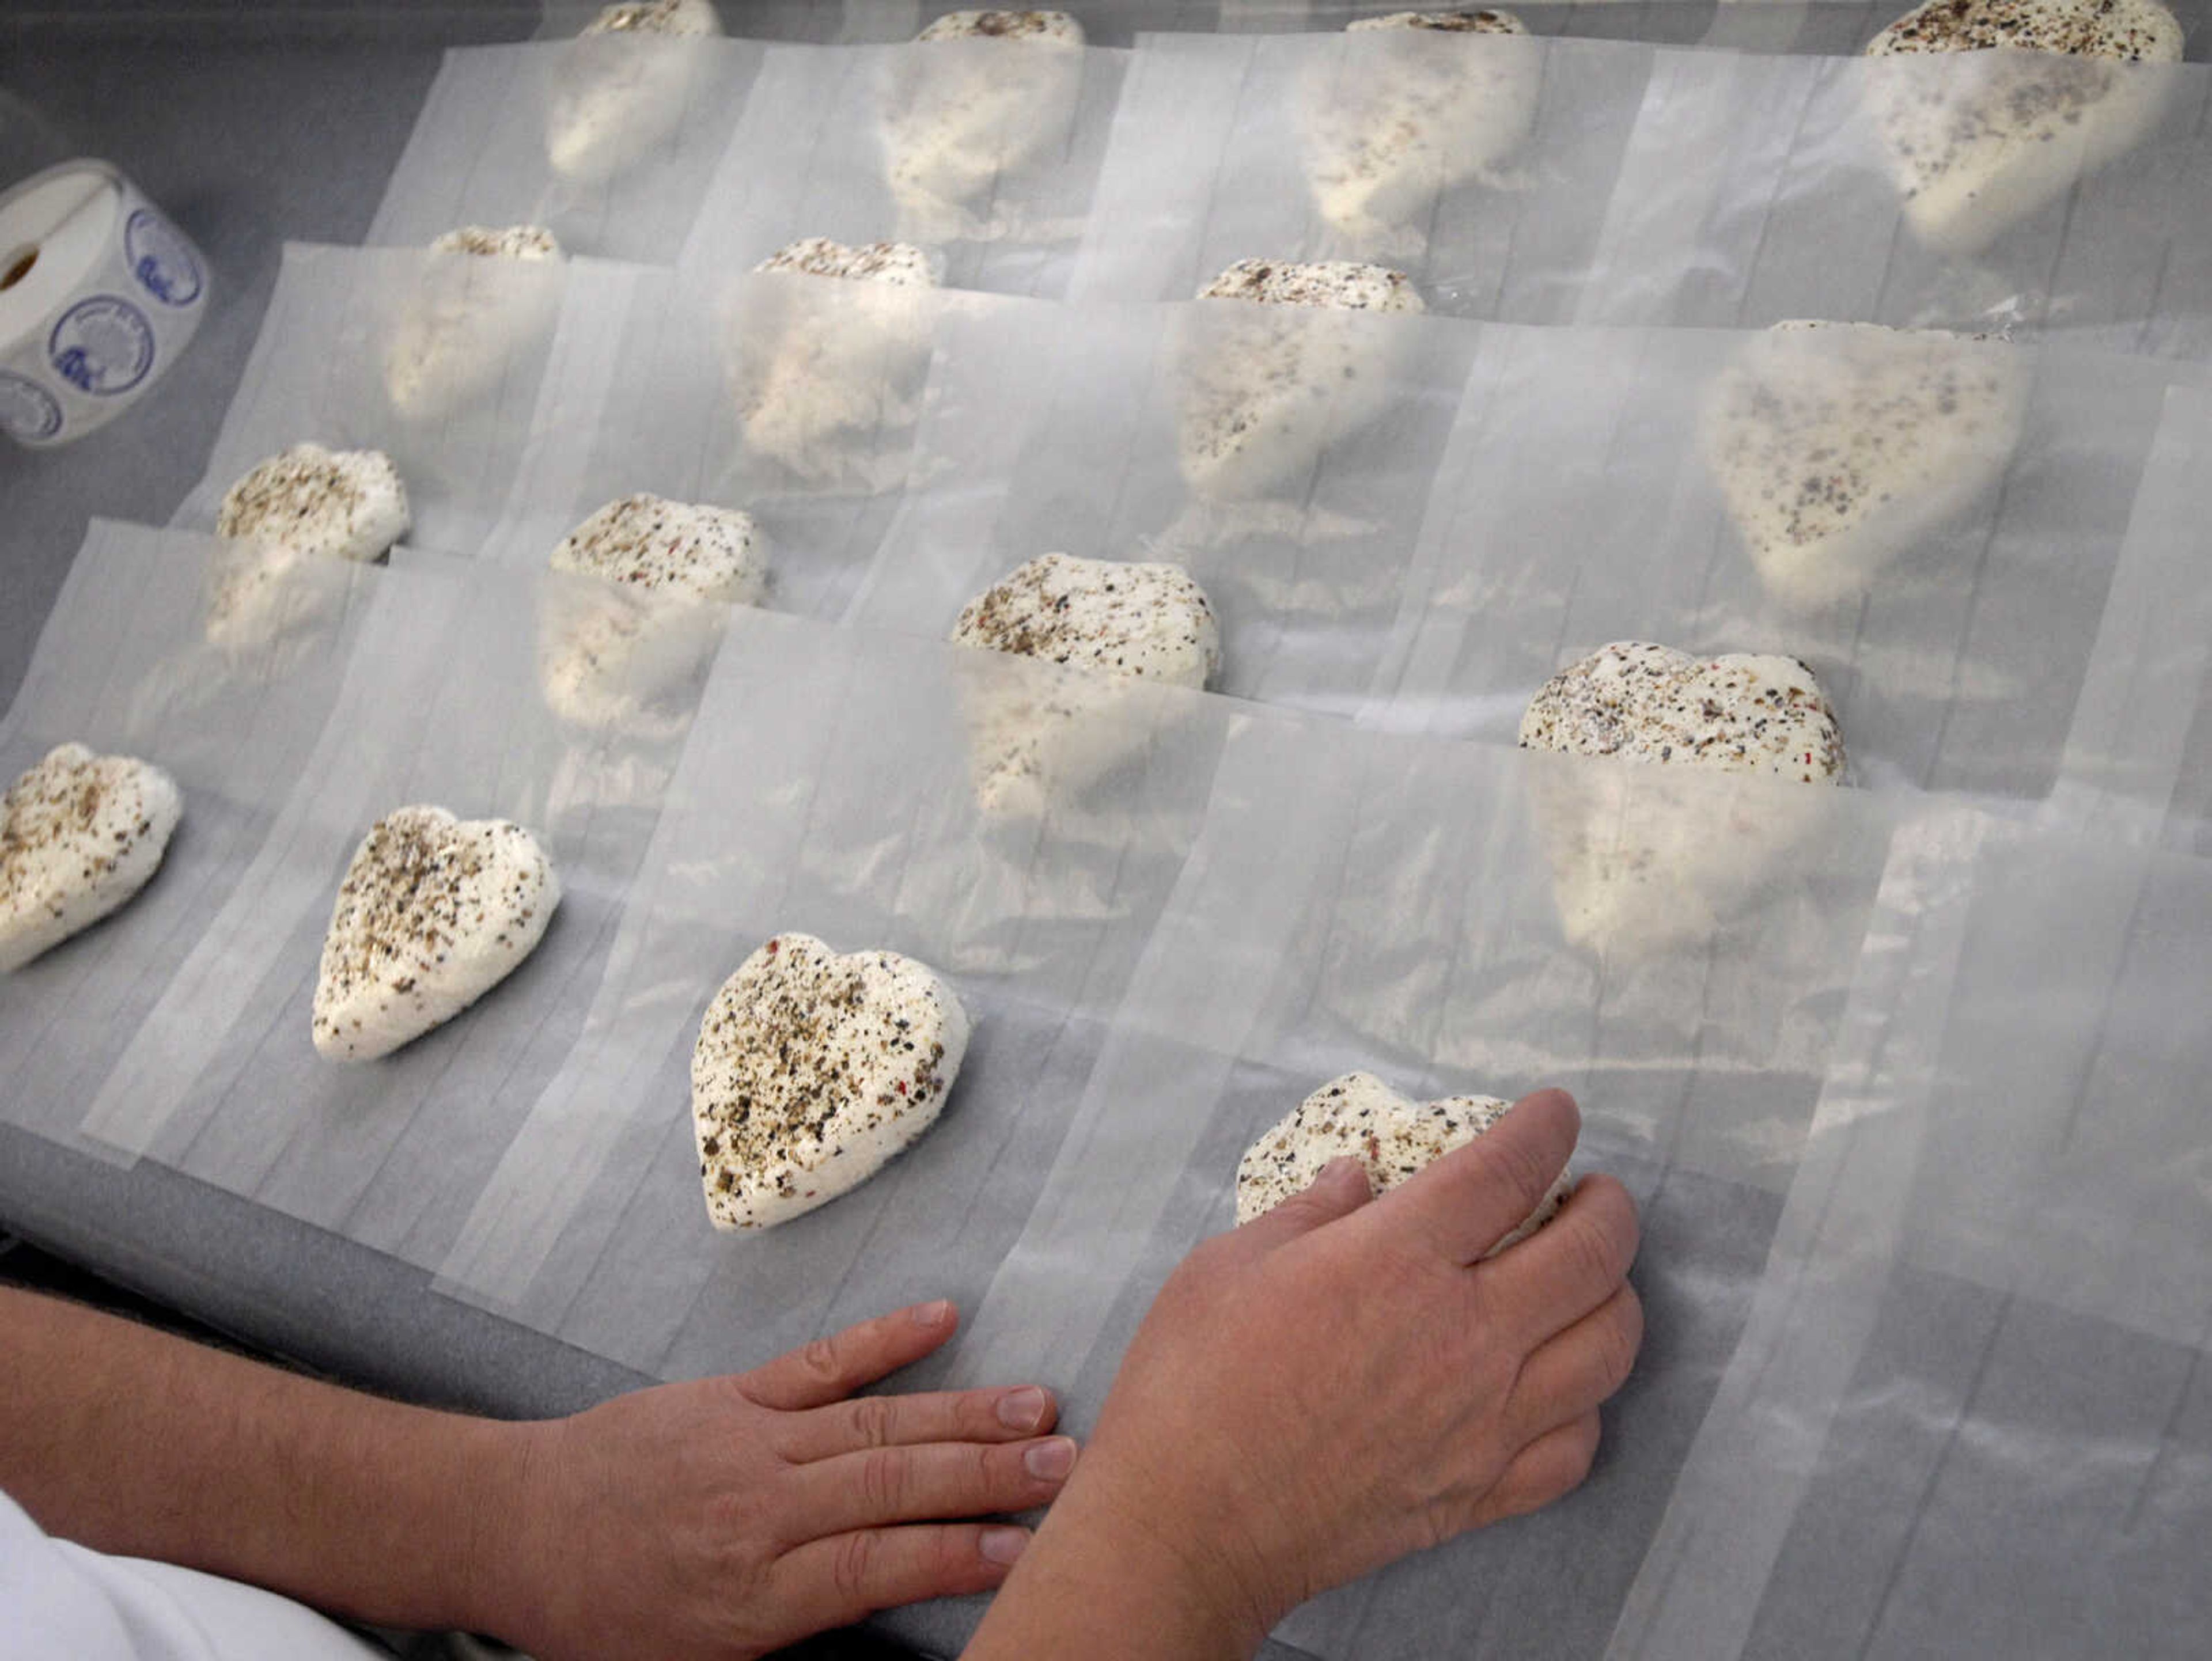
[1003, 1545]
[1050, 1461]
[1022, 1409]
[1344, 1171]
[931, 1314]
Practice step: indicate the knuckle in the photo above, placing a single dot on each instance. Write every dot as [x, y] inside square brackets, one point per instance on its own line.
[1583, 1449]
[1591, 1250]
[884, 1479]
[820, 1358]
[874, 1420]
[853, 1569]
[1524, 1165]
[1616, 1356]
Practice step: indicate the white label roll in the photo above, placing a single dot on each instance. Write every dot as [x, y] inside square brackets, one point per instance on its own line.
[97, 292]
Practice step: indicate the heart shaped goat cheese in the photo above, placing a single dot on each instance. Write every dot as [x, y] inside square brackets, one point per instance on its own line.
[679, 549]
[1148, 619]
[820, 370]
[1033, 739]
[318, 503]
[432, 913]
[677, 17]
[623, 93]
[1737, 713]
[811, 1071]
[980, 96]
[527, 242]
[1978, 146]
[483, 298]
[1399, 117]
[1644, 866]
[1836, 446]
[1360, 1117]
[1271, 383]
[80, 834]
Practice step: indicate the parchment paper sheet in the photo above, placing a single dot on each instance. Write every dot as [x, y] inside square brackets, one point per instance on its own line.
[1360, 901]
[1066, 429]
[322, 372]
[609, 143]
[1575, 506]
[838, 141]
[125, 667]
[828, 789]
[442, 703]
[1209, 164]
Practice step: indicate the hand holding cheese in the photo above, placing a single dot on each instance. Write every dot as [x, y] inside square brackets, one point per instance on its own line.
[1341, 1382]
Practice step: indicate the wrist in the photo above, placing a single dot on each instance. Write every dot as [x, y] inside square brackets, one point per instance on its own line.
[502, 1589]
[1109, 1576]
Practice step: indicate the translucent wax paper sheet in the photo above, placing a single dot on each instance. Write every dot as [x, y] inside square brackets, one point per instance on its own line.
[2138, 762]
[1281, 454]
[1759, 188]
[2152, 677]
[1969, 1415]
[795, 398]
[608, 143]
[446, 700]
[1420, 911]
[125, 666]
[831, 788]
[437, 360]
[1479, 164]
[984, 151]
[1931, 524]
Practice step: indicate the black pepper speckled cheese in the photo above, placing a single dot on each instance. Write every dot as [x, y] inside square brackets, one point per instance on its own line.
[812, 1069]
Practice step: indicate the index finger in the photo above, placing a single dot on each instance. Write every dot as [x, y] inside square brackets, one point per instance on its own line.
[829, 1369]
[1476, 1195]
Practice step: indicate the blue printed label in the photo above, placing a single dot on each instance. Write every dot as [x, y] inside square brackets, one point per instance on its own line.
[26, 409]
[161, 259]
[102, 346]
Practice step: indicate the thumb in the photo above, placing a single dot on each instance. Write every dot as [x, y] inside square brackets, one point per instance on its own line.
[1341, 1189]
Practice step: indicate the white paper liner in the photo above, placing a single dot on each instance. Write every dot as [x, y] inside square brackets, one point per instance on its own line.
[1208, 165]
[2137, 765]
[1760, 188]
[125, 667]
[609, 143]
[1359, 901]
[437, 360]
[1969, 1407]
[1574, 507]
[443, 702]
[1053, 428]
[836, 141]
[794, 399]
[828, 789]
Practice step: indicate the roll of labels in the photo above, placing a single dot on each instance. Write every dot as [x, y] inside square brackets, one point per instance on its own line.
[99, 293]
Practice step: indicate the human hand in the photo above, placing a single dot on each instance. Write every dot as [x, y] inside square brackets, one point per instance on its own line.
[1334, 1385]
[736, 1515]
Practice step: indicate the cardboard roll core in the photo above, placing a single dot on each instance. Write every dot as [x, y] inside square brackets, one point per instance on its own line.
[18, 267]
